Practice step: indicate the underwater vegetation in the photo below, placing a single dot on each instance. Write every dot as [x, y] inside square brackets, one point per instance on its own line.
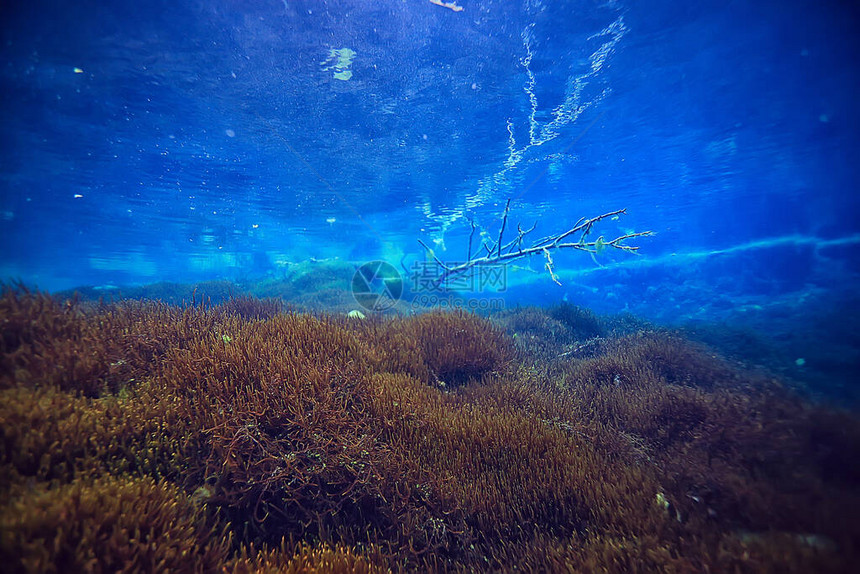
[243, 437]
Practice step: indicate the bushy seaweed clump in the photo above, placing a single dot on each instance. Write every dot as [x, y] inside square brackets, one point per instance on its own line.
[112, 524]
[245, 438]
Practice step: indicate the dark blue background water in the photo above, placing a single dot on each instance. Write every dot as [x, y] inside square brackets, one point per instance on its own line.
[182, 141]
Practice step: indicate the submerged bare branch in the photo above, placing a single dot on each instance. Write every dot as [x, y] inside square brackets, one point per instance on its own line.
[577, 237]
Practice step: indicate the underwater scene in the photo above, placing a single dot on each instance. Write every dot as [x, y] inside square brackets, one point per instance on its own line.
[367, 286]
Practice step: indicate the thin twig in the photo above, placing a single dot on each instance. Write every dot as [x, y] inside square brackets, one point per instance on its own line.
[497, 252]
[502, 229]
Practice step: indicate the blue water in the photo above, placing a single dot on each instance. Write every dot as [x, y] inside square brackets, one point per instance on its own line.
[187, 141]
